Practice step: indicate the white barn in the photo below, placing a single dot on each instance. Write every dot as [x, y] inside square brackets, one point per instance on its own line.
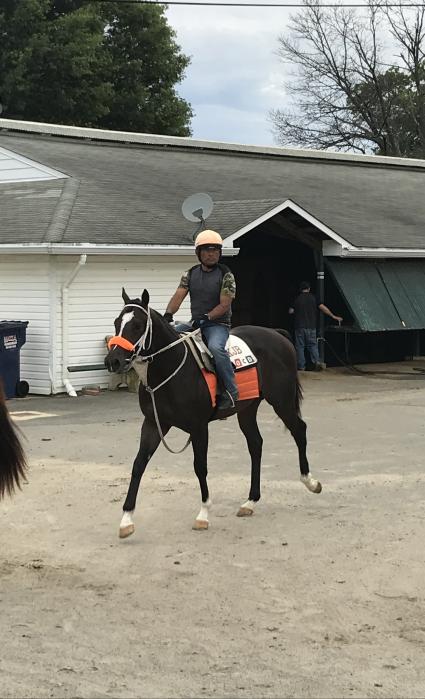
[85, 212]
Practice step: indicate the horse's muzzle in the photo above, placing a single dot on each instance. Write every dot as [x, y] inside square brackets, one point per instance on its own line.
[114, 365]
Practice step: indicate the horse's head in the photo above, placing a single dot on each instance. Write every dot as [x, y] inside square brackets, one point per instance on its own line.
[133, 333]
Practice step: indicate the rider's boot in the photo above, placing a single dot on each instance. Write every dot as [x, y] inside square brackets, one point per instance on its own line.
[227, 401]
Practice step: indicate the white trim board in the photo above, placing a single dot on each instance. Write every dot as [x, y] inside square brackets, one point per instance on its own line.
[101, 249]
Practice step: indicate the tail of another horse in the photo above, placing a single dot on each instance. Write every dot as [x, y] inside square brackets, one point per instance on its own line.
[12, 457]
[299, 391]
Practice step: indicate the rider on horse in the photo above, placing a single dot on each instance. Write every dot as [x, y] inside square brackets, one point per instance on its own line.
[211, 287]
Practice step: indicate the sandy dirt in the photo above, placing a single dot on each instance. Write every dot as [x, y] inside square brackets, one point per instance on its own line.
[314, 596]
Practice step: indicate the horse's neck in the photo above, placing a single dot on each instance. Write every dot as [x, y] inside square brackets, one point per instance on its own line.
[163, 334]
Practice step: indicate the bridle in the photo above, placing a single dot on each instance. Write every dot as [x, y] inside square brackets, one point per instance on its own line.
[142, 344]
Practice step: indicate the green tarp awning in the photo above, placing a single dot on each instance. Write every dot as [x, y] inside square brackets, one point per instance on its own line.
[384, 295]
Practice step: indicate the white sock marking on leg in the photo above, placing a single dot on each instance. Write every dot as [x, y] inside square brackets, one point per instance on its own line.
[126, 520]
[309, 482]
[249, 505]
[203, 512]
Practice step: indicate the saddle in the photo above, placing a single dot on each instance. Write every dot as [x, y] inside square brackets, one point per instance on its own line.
[244, 363]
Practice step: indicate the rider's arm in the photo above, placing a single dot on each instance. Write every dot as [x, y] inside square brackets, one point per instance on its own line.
[176, 300]
[221, 308]
[228, 293]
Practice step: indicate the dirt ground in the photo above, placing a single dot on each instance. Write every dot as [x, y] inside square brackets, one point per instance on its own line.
[314, 596]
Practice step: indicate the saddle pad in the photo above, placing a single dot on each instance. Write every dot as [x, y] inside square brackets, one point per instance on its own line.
[246, 381]
[239, 353]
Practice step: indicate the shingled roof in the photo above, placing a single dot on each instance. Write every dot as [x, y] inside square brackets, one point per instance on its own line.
[128, 189]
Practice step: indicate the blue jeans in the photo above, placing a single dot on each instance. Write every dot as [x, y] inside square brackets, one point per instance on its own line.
[216, 336]
[306, 338]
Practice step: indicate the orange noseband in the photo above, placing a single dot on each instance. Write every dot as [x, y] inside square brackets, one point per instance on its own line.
[121, 342]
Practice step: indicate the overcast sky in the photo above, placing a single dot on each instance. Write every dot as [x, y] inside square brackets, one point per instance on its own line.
[235, 76]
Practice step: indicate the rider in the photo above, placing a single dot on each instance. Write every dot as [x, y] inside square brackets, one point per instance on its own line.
[211, 287]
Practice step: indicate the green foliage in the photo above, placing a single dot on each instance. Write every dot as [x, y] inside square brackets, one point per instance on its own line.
[146, 64]
[91, 64]
[396, 96]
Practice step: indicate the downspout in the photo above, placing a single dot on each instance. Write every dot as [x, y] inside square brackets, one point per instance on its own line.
[65, 302]
[321, 299]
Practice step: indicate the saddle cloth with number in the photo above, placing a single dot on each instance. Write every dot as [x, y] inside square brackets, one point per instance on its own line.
[244, 362]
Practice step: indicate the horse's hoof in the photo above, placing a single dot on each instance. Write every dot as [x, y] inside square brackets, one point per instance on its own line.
[127, 531]
[200, 525]
[311, 484]
[244, 512]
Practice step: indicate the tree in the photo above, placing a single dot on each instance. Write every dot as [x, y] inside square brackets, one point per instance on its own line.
[346, 96]
[91, 64]
[146, 63]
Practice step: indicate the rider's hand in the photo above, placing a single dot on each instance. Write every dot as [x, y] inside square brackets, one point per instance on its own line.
[168, 317]
[199, 322]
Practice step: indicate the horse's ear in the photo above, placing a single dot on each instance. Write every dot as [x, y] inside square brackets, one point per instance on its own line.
[125, 296]
[145, 298]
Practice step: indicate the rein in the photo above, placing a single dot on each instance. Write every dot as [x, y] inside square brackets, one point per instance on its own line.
[143, 374]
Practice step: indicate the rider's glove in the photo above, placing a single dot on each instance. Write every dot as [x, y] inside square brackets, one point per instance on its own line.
[168, 317]
[199, 322]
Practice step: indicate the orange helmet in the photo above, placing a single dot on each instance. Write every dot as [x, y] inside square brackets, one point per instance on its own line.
[208, 238]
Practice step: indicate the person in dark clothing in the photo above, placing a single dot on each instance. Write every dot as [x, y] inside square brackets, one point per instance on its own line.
[305, 320]
[212, 288]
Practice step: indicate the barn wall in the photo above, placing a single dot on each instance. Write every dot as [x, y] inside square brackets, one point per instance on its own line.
[25, 295]
[95, 300]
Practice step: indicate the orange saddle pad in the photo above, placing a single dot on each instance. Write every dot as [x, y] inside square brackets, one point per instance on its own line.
[246, 381]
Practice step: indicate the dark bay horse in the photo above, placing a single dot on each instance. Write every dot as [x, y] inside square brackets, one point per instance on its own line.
[12, 458]
[182, 397]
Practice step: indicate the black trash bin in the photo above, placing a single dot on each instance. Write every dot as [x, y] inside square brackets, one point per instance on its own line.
[13, 334]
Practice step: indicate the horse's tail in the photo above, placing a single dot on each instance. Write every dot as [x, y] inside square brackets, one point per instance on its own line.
[298, 389]
[12, 457]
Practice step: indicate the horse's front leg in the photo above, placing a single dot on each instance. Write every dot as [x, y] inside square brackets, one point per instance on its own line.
[200, 452]
[149, 441]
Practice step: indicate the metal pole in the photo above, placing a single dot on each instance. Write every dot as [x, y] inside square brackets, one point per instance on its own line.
[321, 299]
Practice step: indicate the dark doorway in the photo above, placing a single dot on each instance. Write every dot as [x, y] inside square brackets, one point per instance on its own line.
[268, 271]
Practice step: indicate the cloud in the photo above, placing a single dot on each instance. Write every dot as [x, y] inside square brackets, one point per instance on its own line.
[235, 77]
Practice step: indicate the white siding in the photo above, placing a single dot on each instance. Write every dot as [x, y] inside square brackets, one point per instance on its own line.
[24, 295]
[95, 301]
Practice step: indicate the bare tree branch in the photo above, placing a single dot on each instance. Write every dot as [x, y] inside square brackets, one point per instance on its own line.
[343, 94]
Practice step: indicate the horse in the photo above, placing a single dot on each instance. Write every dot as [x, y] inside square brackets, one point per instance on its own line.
[13, 463]
[174, 393]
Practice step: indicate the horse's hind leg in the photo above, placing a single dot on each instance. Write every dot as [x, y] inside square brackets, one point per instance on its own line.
[248, 423]
[149, 442]
[298, 429]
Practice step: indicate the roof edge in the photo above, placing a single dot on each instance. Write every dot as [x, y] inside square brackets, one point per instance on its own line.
[102, 249]
[289, 204]
[81, 133]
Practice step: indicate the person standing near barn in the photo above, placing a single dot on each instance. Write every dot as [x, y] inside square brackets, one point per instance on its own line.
[212, 288]
[305, 321]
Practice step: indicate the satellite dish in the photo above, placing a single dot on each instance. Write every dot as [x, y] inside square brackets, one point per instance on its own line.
[197, 207]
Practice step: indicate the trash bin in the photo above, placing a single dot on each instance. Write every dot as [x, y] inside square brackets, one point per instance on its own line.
[13, 334]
